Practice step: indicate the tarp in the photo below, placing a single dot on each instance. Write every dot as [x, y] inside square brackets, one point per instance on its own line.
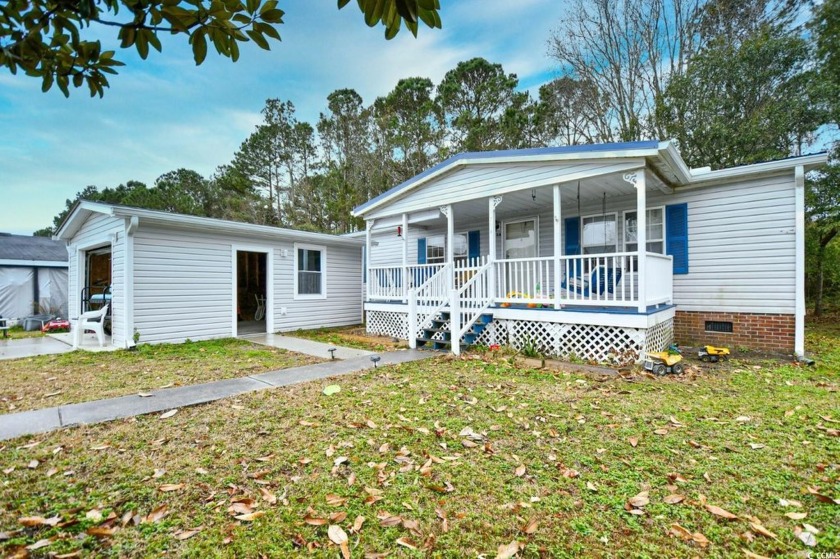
[17, 292]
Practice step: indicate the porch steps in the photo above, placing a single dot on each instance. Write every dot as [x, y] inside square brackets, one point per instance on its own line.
[441, 323]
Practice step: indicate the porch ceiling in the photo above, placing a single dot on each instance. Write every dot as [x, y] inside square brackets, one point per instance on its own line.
[591, 191]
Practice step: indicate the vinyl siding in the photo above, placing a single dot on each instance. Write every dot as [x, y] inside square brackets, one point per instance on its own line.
[481, 181]
[741, 242]
[100, 228]
[184, 282]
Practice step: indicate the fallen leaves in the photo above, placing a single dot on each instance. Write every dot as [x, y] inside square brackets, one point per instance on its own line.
[634, 505]
[169, 414]
[721, 513]
[531, 526]
[685, 534]
[251, 516]
[673, 499]
[169, 487]
[509, 550]
[30, 521]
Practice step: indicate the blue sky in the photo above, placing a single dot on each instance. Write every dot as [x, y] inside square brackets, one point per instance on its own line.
[165, 113]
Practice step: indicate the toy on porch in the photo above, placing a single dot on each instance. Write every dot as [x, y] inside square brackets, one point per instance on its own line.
[712, 354]
[56, 325]
[663, 362]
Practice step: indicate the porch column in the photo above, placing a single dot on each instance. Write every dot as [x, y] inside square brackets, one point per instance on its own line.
[368, 227]
[558, 242]
[405, 257]
[637, 179]
[491, 247]
[450, 241]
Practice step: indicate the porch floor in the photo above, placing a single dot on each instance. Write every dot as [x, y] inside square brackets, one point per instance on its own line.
[652, 309]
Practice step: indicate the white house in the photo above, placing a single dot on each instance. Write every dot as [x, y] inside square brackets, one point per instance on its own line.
[595, 251]
[171, 277]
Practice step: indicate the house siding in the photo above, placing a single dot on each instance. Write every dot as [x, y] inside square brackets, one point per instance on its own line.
[184, 282]
[103, 229]
[741, 241]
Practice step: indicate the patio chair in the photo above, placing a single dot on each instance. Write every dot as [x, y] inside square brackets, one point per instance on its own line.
[91, 320]
[598, 281]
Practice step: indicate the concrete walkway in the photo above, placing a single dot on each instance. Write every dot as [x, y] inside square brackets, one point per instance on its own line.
[98, 411]
[309, 347]
[30, 347]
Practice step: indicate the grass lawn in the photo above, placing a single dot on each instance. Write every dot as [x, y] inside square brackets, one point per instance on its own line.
[350, 336]
[78, 376]
[453, 458]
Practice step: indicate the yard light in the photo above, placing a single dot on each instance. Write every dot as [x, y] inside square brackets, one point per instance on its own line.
[332, 352]
[375, 359]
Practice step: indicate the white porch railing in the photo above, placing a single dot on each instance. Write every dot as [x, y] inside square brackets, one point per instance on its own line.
[599, 280]
[660, 278]
[428, 299]
[469, 301]
[385, 283]
[524, 279]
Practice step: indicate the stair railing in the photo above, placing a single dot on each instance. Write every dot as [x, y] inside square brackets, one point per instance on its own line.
[468, 302]
[426, 301]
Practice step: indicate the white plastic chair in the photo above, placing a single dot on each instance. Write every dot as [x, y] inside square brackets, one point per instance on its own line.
[91, 320]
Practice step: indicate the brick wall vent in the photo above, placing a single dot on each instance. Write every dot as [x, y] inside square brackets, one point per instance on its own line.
[719, 326]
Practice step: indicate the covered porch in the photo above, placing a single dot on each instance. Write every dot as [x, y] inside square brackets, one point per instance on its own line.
[590, 249]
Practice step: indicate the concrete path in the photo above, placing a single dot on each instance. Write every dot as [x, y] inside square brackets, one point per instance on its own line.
[309, 347]
[30, 347]
[49, 419]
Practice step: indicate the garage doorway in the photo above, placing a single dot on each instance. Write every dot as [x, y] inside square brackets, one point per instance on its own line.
[252, 301]
[97, 282]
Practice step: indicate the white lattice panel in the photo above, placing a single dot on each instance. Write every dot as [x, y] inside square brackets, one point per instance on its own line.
[659, 337]
[383, 323]
[610, 344]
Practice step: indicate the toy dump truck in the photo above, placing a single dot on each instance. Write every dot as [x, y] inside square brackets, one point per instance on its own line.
[663, 362]
[712, 354]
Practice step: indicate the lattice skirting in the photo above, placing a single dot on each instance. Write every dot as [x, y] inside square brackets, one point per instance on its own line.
[383, 323]
[604, 344]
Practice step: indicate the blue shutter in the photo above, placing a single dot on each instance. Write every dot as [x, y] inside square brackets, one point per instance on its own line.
[572, 236]
[474, 243]
[421, 251]
[676, 236]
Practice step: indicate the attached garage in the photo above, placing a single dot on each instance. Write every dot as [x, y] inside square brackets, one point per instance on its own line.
[174, 277]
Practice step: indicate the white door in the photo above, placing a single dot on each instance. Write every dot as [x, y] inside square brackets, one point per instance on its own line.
[520, 239]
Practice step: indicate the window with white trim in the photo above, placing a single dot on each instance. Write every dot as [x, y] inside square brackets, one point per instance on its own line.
[521, 238]
[436, 249]
[310, 271]
[600, 233]
[655, 230]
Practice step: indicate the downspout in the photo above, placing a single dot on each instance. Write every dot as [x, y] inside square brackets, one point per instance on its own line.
[128, 280]
[799, 321]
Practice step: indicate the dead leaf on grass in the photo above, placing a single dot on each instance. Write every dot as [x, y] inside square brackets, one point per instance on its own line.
[660, 431]
[315, 520]
[156, 515]
[251, 516]
[508, 551]
[722, 513]
[39, 544]
[30, 521]
[182, 535]
[335, 500]
[101, 531]
[169, 414]
[796, 515]
[758, 528]
[633, 441]
[268, 496]
[520, 470]
[806, 537]
[336, 534]
[673, 499]
[531, 526]
[591, 486]
[406, 542]
[357, 524]
[639, 500]
[750, 555]
[169, 487]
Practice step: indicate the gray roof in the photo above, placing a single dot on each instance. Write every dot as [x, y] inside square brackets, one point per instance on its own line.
[28, 248]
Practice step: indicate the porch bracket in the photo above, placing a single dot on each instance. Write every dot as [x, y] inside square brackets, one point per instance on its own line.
[495, 201]
[633, 178]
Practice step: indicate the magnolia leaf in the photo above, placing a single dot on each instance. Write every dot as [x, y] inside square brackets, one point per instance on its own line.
[187, 534]
[807, 538]
[406, 542]
[268, 496]
[332, 389]
[336, 534]
[508, 551]
[169, 414]
[673, 499]
[758, 528]
[250, 516]
[639, 500]
[796, 515]
[633, 441]
[750, 555]
[357, 524]
[717, 511]
[167, 487]
[156, 515]
[101, 531]
[520, 470]
[315, 520]
[531, 526]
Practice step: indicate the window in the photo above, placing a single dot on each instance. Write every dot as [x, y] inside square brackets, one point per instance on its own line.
[310, 271]
[655, 231]
[521, 240]
[600, 234]
[436, 249]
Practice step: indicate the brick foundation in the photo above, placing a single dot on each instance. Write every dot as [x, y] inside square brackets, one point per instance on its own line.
[767, 332]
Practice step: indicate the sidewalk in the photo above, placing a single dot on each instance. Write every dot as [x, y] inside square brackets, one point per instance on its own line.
[98, 411]
[309, 347]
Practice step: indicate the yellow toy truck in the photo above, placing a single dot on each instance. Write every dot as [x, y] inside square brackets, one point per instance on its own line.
[663, 362]
[712, 354]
